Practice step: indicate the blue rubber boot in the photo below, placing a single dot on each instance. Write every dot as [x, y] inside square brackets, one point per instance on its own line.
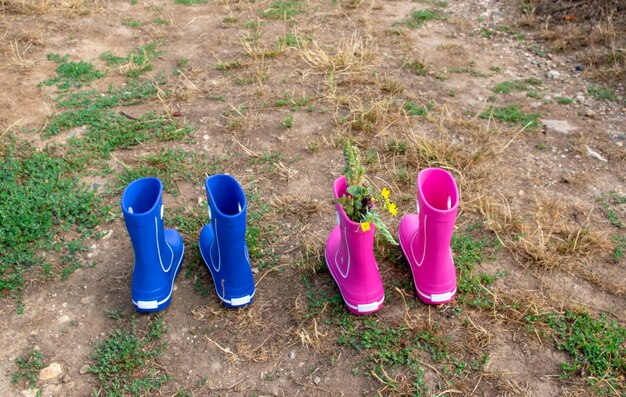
[223, 241]
[158, 251]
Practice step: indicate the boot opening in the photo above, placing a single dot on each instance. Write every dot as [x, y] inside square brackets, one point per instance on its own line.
[438, 189]
[226, 194]
[141, 195]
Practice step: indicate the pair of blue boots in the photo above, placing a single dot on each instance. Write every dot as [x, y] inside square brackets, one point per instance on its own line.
[159, 252]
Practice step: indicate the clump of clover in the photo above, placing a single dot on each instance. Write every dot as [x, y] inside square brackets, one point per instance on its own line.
[362, 201]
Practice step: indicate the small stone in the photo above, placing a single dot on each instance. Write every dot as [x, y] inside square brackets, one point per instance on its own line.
[52, 371]
[553, 74]
[88, 300]
[205, 137]
[64, 319]
[590, 113]
[66, 378]
[521, 193]
[292, 354]
[317, 380]
[84, 369]
[255, 270]
[29, 393]
[580, 98]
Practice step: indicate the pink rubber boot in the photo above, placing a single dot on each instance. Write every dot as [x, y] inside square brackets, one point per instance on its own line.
[350, 260]
[425, 236]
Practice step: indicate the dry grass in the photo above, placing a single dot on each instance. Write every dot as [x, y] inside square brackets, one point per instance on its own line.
[353, 55]
[18, 54]
[544, 237]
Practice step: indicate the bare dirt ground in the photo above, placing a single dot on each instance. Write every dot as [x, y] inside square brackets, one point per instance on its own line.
[271, 100]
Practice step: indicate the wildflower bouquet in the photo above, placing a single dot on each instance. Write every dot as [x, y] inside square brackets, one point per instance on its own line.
[360, 204]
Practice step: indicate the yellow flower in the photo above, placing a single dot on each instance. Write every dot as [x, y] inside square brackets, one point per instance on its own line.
[385, 193]
[365, 226]
[393, 210]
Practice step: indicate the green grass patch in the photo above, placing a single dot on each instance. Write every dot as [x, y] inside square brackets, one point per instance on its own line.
[610, 202]
[72, 74]
[261, 235]
[224, 66]
[418, 18]
[287, 122]
[473, 287]
[190, 2]
[602, 93]
[171, 166]
[620, 247]
[512, 114]
[134, 63]
[283, 9]
[125, 361]
[506, 87]
[412, 109]
[28, 367]
[42, 202]
[563, 100]
[132, 23]
[597, 346]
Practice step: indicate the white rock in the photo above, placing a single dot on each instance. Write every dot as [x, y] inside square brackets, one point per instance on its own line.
[595, 155]
[292, 354]
[29, 393]
[560, 126]
[52, 371]
[84, 369]
[317, 380]
[553, 74]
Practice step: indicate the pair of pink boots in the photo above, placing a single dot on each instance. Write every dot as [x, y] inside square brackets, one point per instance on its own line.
[424, 238]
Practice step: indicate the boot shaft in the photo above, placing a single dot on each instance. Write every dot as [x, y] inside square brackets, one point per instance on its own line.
[143, 214]
[356, 249]
[437, 206]
[227, 207]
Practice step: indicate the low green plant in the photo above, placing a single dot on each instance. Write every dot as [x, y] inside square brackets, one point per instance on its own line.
[473, 287]
[487, 33]
[224, 66]
[512, 114]
[170, 165]
[190, 2]
[279, 9]
[70, 73]
[134, 63]
[41, 201]
[260, 235]
[359, 200]
[609, 201]
[602, 94]
[419, 17]
[28, 367]
[287, 122]
[125, 361]
[563, 100]
[620, 247]
[412, 109]
[597, 346]
[516, 85]
[132, 23]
